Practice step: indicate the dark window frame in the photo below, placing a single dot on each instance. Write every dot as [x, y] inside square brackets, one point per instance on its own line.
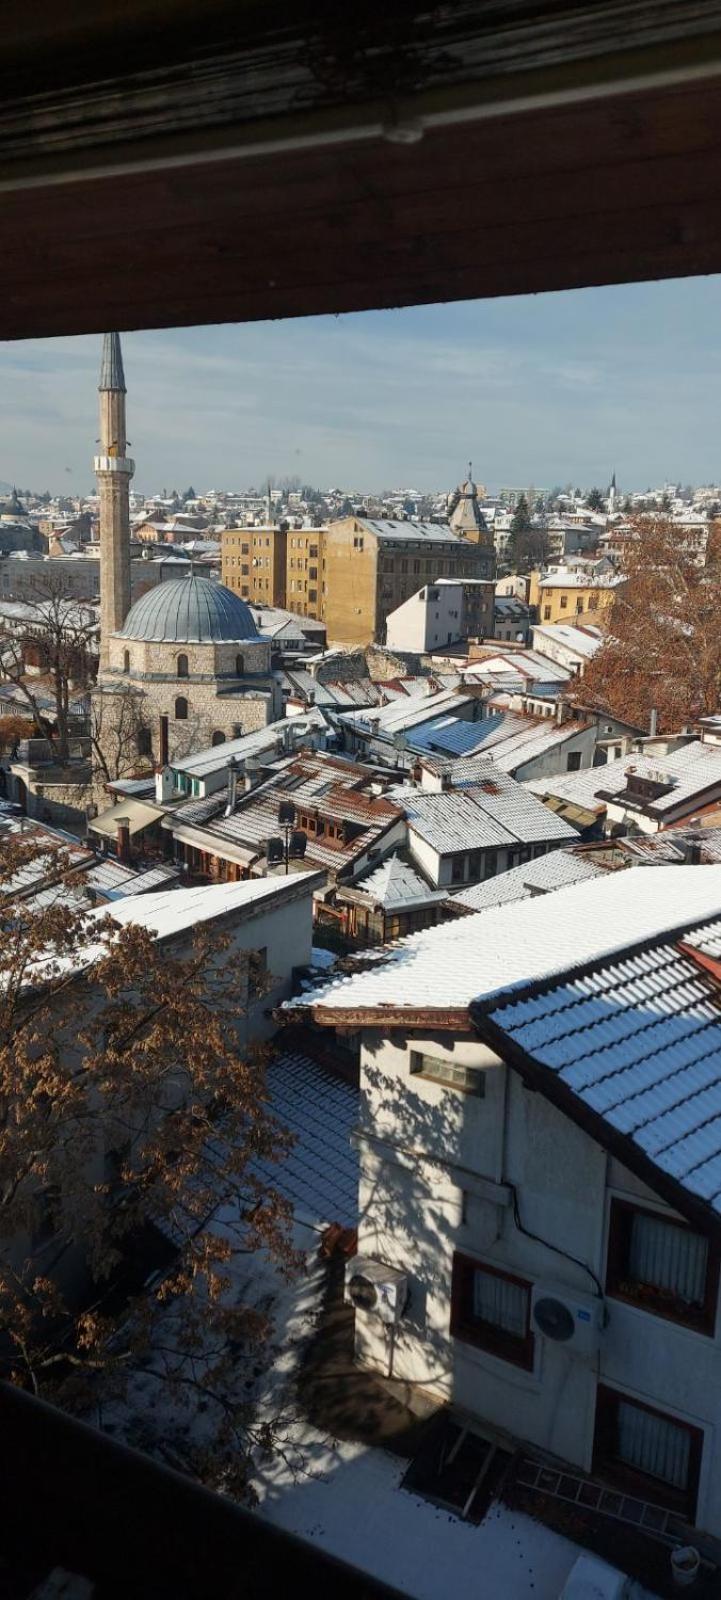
[630, 1479]
[518, 1352]
[656, 1302]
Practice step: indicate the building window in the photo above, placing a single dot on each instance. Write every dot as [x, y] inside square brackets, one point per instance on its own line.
[181, 709]
[218, 736]
[126, 661]
[573, 761]
[642, 1449]
[546, 613]
[490, 863]
[182, 666]
[458, 869]
[492, 1309]
[564, 602]
[358, 542]
[144, 742]
[470, 1079]
[663, 1266]
[239, 666]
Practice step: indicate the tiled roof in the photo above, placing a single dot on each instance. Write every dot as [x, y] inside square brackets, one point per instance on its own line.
[508, 947]
[636, 1043]
[320, 1175]
[553, 871]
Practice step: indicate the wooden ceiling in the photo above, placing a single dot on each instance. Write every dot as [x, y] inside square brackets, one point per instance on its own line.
[201, 161]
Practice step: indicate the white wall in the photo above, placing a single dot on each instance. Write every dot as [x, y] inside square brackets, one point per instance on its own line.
[421, 623]
[415, 1212]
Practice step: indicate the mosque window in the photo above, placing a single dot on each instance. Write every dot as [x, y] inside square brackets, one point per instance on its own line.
[218, 737]
[239, 666]
[181, 709]
[182, 667]
[126, 661]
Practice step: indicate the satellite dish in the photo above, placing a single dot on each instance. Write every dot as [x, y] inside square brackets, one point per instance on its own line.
[554, 1319]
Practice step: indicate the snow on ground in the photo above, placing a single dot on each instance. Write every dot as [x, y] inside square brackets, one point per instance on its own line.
[347, 1498]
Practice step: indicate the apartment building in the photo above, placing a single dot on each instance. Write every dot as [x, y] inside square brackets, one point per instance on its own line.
[540, 1170]
[565, 593]
[253, 564]
[305, 572]
[372, 566]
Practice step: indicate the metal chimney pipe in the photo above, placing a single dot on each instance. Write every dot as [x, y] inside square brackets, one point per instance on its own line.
[653, 723]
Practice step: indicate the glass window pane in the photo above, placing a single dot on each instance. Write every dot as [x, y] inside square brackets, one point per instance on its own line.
[669, 1257]
[653, 1444]
[502, 1303]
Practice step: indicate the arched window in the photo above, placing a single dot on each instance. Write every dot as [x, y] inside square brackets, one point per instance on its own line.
[218, 737]
[239, 666]
[126, 661]
[181, 709]
[182, 666]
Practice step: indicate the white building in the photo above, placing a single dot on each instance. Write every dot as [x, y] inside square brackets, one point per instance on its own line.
[430, 619]
[540, 1140]
[569, 646]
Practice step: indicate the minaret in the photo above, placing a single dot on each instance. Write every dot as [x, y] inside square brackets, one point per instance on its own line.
[113, 470]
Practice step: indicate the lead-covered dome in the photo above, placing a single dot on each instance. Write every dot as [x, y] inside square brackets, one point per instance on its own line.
[190, 611]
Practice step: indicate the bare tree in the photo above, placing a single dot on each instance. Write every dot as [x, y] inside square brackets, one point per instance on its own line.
[56, 635]
[134, 1130]
[119, 733]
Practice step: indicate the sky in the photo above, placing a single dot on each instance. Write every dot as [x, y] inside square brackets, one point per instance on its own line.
[538, 390]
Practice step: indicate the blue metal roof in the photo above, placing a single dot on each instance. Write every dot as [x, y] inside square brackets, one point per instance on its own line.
[190, 610]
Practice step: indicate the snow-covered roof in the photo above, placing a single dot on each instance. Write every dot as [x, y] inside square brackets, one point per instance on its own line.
[695, 769]
[172, 911]
[583, 641]
[512, 739]
[528, 665]
[553, 871]
[401, 714]
[637, 1043]
[210, 760]
[320, 1174]
[494, 811]
[507, 947]
[396, 886]
[414, 532]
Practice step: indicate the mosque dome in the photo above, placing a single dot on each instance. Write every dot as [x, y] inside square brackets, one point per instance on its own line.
[190, 611]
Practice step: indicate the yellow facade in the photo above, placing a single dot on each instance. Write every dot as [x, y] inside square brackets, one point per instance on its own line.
[305, 575]
[253, 564]
[559, 602]
[367, 576]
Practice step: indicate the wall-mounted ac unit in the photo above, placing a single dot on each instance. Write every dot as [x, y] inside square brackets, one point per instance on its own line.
[370, 1286]
[573, 1321]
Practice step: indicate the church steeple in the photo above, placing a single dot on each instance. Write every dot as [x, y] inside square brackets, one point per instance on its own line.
[113, 470]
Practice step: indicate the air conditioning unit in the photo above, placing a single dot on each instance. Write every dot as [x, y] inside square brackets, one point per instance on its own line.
[574, 1321]
[370, 1286]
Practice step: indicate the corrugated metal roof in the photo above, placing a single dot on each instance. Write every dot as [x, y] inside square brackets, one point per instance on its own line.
[695, 768]
[320, 1175]
[418, 532]
[494, 810]
[556, 870]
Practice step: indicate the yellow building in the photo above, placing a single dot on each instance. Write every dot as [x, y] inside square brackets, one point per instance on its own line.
[305, 572]
[253, 562]
[372, 566]
[566, 595]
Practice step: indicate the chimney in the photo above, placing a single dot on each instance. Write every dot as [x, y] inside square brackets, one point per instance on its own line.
[123, 838]
[163, 741]
[233, 769]
[653, 723]
[163, 785]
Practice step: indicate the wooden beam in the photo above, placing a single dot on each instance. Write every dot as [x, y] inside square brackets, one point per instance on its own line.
[605, 192]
